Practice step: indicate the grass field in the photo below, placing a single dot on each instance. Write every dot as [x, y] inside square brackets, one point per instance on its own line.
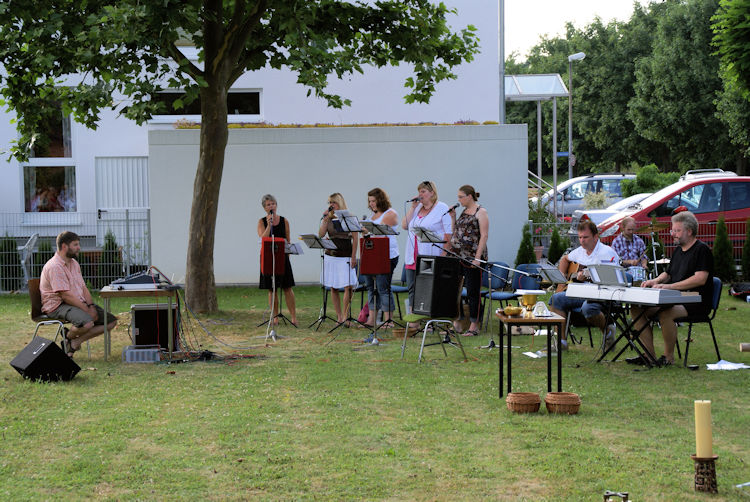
[304, 420]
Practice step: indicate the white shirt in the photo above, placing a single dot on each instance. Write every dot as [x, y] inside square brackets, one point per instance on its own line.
[436, 220]
[601, 254]
[392, 242]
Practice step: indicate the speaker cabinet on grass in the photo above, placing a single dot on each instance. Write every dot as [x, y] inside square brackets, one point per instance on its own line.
[436, 286]
[149, 325]
[44, 360]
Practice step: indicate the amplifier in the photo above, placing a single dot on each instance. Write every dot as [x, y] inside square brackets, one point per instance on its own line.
[436, 286]
[149, 325]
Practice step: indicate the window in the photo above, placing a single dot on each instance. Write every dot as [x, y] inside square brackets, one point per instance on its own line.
[738, 196]
[612, 187]
[56, 141]
[49, 189]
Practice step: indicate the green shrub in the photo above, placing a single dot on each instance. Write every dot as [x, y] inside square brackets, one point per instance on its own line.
[110, 261]
[746, 252]
[526, 252]
[648, 179]
[43, 254]
[724, 267]
[557, 246]
[10, 264]
[595, 200]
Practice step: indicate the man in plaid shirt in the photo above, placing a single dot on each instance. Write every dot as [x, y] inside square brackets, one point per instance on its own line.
[629, 247]
[66, 297]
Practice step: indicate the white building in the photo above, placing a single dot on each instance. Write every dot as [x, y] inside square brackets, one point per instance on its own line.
[94, 175]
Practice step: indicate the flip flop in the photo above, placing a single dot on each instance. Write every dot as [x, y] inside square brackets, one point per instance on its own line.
[471, 332]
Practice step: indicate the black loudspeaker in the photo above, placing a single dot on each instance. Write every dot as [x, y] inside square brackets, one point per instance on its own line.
[436, 286]
[149, 325]
[44, 360]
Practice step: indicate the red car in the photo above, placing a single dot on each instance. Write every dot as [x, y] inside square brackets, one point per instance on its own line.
[706, 193]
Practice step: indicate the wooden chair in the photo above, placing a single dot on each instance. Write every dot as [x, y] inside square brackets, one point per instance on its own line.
[39, 317]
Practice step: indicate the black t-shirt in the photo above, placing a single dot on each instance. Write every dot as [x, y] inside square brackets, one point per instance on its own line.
[685, 264]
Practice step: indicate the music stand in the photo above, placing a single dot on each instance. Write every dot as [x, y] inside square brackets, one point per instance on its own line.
[314, 242]
[278, 266]
[375, 260]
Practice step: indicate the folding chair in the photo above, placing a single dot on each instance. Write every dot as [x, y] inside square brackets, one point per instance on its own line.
[495, 285]
[707, 319]
[449, 331]
[397, 289]
[40, 318]
[27, 252]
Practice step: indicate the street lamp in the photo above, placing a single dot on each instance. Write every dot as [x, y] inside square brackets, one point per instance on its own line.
[573, 57]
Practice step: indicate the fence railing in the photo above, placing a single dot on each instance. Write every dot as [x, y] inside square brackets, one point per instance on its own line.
[114, 242]
[542, 232]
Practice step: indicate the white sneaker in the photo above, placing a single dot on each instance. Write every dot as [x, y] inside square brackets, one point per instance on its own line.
[609, 336]
[375, 341]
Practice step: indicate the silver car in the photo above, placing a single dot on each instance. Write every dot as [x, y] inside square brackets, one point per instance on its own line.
[570, 193]
[599, 215]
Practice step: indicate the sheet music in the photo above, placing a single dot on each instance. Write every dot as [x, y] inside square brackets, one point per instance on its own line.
[293, 248]
[314, 242]
[377, 228]
[425, 235]
[349, 222]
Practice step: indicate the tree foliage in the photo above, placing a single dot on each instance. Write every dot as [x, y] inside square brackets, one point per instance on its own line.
[90, 55]
[648, 179]
[557, 246]
[732, 37]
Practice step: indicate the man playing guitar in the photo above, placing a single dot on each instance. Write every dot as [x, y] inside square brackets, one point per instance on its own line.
[590, 252]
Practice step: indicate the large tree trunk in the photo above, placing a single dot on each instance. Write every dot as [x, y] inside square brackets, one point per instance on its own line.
[199, 278]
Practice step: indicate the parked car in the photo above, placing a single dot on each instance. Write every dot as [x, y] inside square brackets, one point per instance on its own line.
[570, 193]
[599, 215]
[708, 194]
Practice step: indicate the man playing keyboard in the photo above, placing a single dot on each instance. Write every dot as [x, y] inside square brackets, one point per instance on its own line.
[691, 269]
[590, 252]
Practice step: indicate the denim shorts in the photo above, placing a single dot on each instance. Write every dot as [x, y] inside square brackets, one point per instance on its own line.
[560, 301]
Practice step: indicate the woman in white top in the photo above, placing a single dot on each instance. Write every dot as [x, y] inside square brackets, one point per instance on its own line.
[429, 213]
[340, 264]
[379, 286]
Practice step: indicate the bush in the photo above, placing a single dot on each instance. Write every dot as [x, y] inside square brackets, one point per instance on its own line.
[648, 179]
[10, 264]
[746, 252]
[724, 267]
[595, 200]
[557, 247]
[110, 261]
[43, 254]
[526, 252]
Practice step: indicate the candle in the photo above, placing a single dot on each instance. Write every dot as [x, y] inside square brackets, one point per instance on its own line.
[703, 446]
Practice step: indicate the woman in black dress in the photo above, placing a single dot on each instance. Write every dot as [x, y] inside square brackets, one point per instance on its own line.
[280, 226]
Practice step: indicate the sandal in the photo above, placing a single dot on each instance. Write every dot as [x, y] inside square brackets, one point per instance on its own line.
[387, 324]
[471, 332]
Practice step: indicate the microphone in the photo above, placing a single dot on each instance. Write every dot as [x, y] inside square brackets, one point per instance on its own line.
[330, 208]
[271, 212]
[453, 207]
[415, 199]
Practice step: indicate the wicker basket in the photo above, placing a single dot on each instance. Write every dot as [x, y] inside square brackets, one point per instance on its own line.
[562, 402]
[523, 402]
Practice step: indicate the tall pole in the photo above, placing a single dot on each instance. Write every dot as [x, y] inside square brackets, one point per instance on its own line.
[501, 55]
[570, 118]
[578, 56]
[554, 153]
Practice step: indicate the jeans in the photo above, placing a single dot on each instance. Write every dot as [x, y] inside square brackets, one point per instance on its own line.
[379, 290]
[560, 301]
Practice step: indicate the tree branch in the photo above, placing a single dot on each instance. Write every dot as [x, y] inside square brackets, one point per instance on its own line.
[184, 63]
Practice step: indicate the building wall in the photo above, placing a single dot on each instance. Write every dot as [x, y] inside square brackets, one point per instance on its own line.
[301, 167]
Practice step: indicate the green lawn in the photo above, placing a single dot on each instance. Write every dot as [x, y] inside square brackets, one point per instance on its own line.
[306, 420]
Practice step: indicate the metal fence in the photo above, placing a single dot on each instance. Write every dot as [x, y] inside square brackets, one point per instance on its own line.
[114, 242]
[542, 232]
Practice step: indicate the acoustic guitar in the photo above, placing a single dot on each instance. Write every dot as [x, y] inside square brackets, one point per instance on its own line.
[570, 274]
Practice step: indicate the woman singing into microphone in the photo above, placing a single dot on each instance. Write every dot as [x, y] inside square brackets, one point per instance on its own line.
[469, 241]
[279, 226]
[382, 213]
[429, 213]
[340, 264]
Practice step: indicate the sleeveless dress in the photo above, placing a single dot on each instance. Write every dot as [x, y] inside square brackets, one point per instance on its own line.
[282, 281]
